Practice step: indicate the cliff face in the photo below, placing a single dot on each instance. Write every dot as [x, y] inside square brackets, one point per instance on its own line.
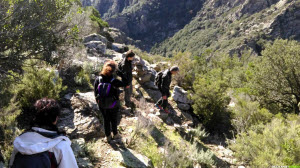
[193, 25]
[149, 22]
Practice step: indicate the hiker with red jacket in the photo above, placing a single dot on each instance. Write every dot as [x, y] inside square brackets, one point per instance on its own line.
[107, 96]
[163, 81]
[43, 146]
[125, 72]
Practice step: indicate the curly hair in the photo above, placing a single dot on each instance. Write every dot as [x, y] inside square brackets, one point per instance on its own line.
[47, 110]
[109, 68]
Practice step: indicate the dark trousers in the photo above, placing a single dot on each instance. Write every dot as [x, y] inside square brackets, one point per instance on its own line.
[128, 93]
[162, 102]
[110, 117]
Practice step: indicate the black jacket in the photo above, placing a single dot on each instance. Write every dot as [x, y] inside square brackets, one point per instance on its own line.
[125, 71]
[166, 82]
[106, 79]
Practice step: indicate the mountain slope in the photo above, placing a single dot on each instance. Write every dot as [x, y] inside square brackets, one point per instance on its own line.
[149, 22]
[234, 26]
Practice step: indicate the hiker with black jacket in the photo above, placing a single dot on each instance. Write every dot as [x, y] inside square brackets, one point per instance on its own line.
[43, 146]
[125, 72]
[107, 96]
[163, 81]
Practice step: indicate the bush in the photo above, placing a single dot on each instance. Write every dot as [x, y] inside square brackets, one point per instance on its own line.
[83, 79]
[275, 77]
[187, 67]
[95, 16]
[37, 82]
[278, 143]
[247, 114]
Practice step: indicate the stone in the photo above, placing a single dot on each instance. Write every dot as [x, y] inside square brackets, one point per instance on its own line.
[95, 47]
[187, 116]
[164, 116]
[130, 158]
[169, 121]
[145, 78]
[80, 154]
[83, 119]
[95, 37]
[184, 107]
[180, 95]
[120, 48]
[150, 85]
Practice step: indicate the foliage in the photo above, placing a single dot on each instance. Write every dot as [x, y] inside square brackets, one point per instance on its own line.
[83, 78]
[8, 128]
[277, 143]
[95, 16]
[186, 76]
[275, 77]
[247, 114]
[30, 29]
[37, 82]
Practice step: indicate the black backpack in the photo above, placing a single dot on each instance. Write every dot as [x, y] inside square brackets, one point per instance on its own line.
[158, 79]
[40, 160]
[105, 98]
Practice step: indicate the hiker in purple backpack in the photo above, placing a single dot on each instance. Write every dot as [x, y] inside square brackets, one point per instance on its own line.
[43, 146]
[107, 96]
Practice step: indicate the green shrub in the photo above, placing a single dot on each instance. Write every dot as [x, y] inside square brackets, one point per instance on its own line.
[247, 114]
[37, 82]
[277, 143]
[83, 79]
[8, 128]
[275, 77]
[95, 16]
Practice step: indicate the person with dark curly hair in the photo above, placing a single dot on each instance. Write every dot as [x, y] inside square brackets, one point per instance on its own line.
[43, 146]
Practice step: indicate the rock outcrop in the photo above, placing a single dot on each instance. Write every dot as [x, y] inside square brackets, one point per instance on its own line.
[82, 119]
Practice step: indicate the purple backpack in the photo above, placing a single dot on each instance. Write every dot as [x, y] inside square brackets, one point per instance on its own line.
[106, 99]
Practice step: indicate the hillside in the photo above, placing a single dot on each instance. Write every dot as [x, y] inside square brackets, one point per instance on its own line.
[194, 26]
[147, 22]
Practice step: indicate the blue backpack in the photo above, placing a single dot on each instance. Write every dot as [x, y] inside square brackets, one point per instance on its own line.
[105, 98]
[40, 160]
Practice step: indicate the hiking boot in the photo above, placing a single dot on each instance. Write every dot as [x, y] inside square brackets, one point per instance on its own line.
[159, 107]
[108, 139]
[118, 136]
[167, 111]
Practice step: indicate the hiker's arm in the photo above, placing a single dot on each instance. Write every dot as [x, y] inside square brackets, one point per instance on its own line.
[96, 83]
[118, 83]
[164, 86]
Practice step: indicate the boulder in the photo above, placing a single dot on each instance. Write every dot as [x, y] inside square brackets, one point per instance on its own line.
[120, 48]
[183, 106]
[78, 146]
[130, 158]
[160, 66]
[94, 37]
[82, 119]
[145, 78]
[150, 85]
[180, 95]
[95, 47]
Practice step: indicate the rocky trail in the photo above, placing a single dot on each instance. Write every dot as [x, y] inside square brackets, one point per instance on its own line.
[146, 131]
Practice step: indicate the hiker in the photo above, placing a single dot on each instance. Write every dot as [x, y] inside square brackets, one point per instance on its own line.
[162, 81]
[43, 146]
[107, 96]
[125, 72]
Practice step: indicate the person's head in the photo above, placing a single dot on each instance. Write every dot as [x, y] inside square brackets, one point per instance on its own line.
[109, 68]
[47, 112]
[130, 55]
[174, 70]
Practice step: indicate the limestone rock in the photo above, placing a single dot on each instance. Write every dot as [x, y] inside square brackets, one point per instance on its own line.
[120, 48]
[130, 158]
[180, 95]
[94, 37]
[78, 148]
[183, 106]
[82, 119]
[95, 47]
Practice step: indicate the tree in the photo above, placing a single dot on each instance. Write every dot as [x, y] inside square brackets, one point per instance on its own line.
[275, 77]
[28, 29]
